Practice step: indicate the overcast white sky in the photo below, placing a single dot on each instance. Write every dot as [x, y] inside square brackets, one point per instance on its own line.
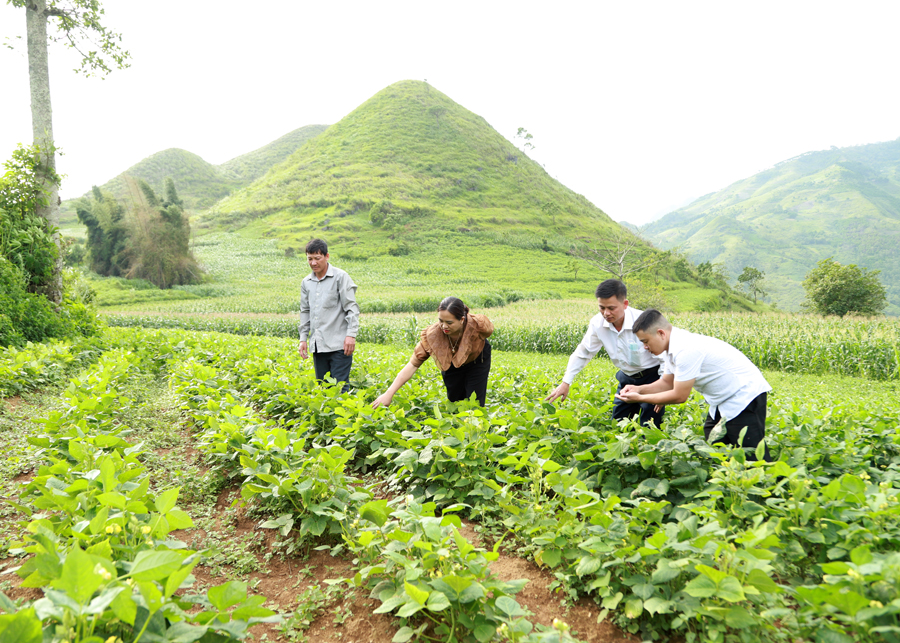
[640, 106]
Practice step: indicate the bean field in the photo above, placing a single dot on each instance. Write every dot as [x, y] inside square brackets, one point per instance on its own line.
[112, 529]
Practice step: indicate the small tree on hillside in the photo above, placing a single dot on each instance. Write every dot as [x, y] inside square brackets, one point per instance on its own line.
[620, 253]
[833, 289]
[751, 280]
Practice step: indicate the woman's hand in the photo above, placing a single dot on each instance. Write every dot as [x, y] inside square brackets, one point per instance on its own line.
[382, 400]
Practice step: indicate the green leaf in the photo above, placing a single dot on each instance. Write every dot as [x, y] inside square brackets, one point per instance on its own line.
[853, 484]
[861, 555]
[391, 603]
[657, 605]
[825, 635]
[179, 519]
[838, 568]
[404, 634]
[224, 596]
[550, 466]
[634, 607]
[611, 602]
[418, 595]
[549, 557]
[588, 565]
[484, 633]
[761, 581]
[21, 627]
[712, 573]
[850, 602]
[155, 565]
[124, 607]
[647, 458]
[167, 499]
[78, 578]
[98, 524]
[437, 602]
[739, 618]
[730, 590]
[508, 606]
[375, 511]
[701, 587]
[452, 586]
[176, 578]
[409, 608]
[112, 499]
[664, 571]
[107, 476]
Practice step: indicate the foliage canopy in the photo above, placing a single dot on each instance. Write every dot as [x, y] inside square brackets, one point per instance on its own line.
[833, 289]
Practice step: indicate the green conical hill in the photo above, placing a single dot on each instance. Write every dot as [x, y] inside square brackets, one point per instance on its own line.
[409, 165]
[252, 165]
[842, 202]
[201, 184]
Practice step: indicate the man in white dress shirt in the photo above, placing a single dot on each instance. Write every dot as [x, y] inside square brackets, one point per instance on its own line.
[611, 330]
[732, 386]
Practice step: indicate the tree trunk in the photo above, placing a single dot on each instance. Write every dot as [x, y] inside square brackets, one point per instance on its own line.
[42, 126]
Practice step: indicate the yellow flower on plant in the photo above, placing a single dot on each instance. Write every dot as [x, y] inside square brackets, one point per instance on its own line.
[145, 530]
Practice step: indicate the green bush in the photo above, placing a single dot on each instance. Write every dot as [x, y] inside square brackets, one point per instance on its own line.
[28, 317]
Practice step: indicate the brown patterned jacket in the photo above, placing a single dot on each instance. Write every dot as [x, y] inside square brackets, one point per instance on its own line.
[435, 343]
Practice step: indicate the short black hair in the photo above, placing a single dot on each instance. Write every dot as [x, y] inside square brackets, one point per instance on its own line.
[317, 247]
[612, 288]
[650, 320]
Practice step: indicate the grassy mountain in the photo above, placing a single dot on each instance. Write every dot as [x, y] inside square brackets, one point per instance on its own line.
[842, 202]
[252, 165]
[201, 184]
[410, 166]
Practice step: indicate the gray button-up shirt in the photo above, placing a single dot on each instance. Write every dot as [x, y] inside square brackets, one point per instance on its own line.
[328, 310]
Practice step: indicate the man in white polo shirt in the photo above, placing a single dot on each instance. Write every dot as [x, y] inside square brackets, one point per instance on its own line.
[611, 330]
[732, 386]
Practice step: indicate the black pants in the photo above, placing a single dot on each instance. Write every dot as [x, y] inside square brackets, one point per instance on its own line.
[622, 409]
[753, 417]
[469, 378]
[336, 363]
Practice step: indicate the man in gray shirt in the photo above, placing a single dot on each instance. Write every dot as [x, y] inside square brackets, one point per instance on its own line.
[329, 315]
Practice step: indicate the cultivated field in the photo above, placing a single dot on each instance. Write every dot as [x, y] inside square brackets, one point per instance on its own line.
[184, 483]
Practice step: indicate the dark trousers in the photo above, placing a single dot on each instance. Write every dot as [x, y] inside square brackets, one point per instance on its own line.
[469, 378]
[753, 417]
[336, 363]
[622, 409]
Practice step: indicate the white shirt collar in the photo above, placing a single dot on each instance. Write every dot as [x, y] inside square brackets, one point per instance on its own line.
[627, 323]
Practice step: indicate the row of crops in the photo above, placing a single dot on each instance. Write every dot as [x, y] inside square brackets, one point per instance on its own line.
[96, 537]
[792, 343]
[669, 535]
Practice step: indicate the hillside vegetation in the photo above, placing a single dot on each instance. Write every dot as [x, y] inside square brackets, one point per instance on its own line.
[202, 184]
[843, 203]
[418, 198]
[410, 166]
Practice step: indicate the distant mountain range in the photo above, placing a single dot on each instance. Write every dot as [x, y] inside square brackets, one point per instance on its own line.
[842, 203]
